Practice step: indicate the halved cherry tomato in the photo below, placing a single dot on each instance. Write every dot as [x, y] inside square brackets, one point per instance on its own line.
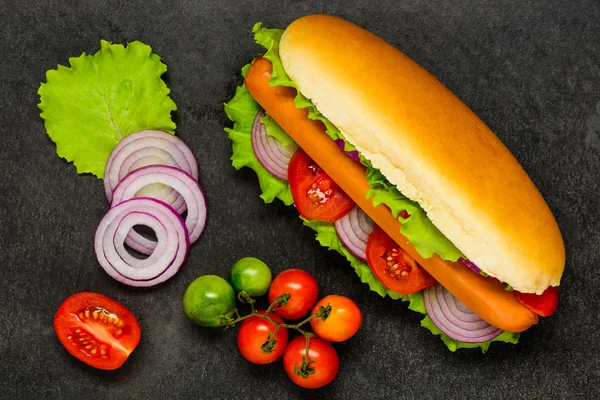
[394, 267]
[343, 320]
[323, 362]
[542, 304]
[302, 288]
[96, 329]
[254, 334]
[315, 194]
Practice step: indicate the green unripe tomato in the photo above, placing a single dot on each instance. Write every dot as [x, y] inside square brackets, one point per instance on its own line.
[252, 275]
[207, 298]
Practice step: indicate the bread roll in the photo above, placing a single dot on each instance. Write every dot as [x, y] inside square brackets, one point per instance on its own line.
[431, 146]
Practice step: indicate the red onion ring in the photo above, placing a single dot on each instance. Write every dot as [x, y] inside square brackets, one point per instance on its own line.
[180, 181]
[138, 270]
[152, 156]
[144, 144]
[121, 234]
[270, 153]
[170, 228]
[453, 318]
[353, 154]
[354, 229]
[134, 150]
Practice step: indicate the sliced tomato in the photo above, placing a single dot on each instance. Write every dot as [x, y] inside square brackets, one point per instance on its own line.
[96, 329]
[542, 304]
[394, 267]
[315, 194]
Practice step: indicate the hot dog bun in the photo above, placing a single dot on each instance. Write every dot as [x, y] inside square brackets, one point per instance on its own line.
[431, 146]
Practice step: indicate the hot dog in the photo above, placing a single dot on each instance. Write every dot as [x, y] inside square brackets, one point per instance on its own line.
[370, 128]
[490, 301]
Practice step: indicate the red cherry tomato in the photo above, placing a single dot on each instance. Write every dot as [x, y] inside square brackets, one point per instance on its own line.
[394, 267]
[323, 360]
[303, 290]
[542, 304]
[315, 194]
[343, 321]
[96, 329]
[254, 333]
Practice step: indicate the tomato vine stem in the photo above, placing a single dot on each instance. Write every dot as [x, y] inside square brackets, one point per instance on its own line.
[268, 346]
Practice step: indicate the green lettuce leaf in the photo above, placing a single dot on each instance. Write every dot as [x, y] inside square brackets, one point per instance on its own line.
[274, 130]
[269, 39]
[417, 228]
[90, 106]
[417, 303]
[242, 109]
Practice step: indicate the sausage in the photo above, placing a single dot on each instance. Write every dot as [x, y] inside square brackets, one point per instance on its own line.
[486, 297]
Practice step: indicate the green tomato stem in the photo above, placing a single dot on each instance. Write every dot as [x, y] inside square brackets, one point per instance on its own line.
[305, 367]
[278, 302]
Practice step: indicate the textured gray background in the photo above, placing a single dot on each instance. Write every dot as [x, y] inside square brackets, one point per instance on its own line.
[530, 69]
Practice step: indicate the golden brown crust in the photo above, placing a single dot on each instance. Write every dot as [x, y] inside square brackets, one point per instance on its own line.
[429, 144]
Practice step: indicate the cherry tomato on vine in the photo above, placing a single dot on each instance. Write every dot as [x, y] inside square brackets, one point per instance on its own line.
[301, 286]
[253, 336]
[394, 267]
[542, 304]
[252, 275]
[320, 369]
[343, 321]
[97, 330]
[316, 195]
[207, 298]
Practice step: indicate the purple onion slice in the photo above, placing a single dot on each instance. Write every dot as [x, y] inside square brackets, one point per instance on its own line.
[353, 154]
[471, 265]
[354, 230]
[171, 251]
[177, 179]
[149, 147]
[453, 318]
[270, 153]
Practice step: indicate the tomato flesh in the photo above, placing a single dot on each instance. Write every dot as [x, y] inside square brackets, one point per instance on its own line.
[316, 196]
[397, 270]
[542, 304]
[96, 330]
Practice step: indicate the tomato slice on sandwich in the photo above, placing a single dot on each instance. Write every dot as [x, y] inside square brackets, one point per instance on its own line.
[542, 304]
[315, 194]
[97, 330]
[397, 270]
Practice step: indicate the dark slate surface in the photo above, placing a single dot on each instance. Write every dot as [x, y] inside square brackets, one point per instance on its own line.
[530, 69]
